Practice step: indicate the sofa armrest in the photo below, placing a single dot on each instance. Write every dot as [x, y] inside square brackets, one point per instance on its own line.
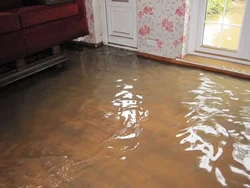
[81, 8]
[80, 3]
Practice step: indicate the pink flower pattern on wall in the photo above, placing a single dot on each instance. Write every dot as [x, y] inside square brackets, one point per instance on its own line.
[181, 40]
[91, 22]
[181, 10]
[147, 10]
[159, 44]
[145, 30]
[176, 43]
[92, 17]
[140, 14]
[168, 23]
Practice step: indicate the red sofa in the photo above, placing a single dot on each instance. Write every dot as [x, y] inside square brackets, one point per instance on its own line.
[26, 28]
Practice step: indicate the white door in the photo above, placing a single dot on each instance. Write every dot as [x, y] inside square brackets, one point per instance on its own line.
[122, 22]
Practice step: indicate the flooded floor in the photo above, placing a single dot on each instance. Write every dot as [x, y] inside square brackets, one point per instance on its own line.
[110, 119]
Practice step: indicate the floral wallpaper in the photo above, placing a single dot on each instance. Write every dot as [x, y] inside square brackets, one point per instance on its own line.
[166, 22]
[90, 16]
[163, 21]
[91, 23]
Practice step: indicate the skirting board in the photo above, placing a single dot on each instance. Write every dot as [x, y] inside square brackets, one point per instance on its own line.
[122, 47]
[194, 65]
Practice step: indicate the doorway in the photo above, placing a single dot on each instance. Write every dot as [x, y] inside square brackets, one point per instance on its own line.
[219, 28]
[121, 22]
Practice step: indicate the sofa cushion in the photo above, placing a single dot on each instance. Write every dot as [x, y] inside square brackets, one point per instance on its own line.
[36, 15]
[51, 34]
[8, 22]
[82, 8]
[12, 47]
[10, 4]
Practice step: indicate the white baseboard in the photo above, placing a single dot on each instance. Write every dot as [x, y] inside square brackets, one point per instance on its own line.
[122, 47]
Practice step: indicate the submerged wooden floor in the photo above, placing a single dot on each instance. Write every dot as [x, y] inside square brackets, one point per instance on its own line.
[111, 119]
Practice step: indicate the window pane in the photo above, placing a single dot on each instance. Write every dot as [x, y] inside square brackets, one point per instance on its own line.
[235, 12]
[230, 37]
[212, 35]
[224, 19]
[215, 10]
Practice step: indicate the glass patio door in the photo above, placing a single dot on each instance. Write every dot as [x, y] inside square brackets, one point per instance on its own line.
[223, 27]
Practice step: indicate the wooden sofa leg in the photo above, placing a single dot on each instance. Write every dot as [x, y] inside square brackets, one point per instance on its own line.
[20, 64]
[56, 50]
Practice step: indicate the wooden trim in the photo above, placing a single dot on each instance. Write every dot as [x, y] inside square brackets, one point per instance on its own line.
[193, 65]
[219, 49]
[221, 58]
[93, 45]
[219, 55]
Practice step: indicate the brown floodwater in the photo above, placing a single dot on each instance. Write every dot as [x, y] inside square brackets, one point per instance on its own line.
[111, 119]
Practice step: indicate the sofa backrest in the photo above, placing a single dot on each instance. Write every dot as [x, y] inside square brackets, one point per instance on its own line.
[29, 2]
[10, 4]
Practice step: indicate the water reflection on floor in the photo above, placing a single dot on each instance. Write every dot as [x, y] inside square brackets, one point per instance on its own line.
[110, 119]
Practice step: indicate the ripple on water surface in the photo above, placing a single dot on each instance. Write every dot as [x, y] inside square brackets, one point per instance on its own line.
[113, 119]
[219, 127]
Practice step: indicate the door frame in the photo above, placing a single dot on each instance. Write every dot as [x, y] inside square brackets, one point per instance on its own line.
[194, 31]
[104, 26]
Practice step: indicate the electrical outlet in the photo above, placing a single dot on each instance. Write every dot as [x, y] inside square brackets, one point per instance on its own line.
[152, 42]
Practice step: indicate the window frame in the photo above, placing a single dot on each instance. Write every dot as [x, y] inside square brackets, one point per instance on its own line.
[197, 18]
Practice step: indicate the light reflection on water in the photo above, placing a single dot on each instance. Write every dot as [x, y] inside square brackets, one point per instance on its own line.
[216, 122]
[131, 112]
